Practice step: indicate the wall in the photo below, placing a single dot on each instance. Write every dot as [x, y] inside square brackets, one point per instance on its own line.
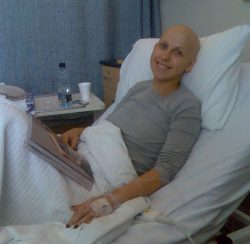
[34, 37]
[207, 16]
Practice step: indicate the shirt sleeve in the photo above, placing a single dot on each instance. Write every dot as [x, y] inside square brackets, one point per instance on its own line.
[183, 132]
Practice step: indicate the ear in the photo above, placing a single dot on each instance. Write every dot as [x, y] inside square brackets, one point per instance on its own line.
[190, 66]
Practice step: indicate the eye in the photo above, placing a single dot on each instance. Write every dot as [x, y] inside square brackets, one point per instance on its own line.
[178, 53]
[163, 45]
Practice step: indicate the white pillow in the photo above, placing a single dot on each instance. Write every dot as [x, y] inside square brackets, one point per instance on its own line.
[214, 78]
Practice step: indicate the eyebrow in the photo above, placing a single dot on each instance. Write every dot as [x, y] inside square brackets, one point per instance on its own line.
[179, 48]
[165, 42]
[176, 48]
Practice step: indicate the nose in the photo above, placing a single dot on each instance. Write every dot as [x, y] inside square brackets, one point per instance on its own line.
[166, 55]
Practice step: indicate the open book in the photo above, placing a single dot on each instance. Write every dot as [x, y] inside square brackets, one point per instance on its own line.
[47, 145]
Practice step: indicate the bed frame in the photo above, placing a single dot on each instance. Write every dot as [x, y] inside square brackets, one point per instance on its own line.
[237, 228]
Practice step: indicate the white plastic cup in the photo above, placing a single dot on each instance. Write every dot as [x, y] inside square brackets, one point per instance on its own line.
[85, 88]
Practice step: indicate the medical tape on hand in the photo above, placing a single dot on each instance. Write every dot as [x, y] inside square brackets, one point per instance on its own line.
[101, 207]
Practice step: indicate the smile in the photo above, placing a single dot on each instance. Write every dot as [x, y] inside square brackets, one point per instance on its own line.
[162, 66]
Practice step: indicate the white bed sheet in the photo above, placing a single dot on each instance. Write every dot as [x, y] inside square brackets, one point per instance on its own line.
[213, 182]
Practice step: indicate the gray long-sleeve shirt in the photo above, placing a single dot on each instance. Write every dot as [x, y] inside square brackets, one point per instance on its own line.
[159, 131]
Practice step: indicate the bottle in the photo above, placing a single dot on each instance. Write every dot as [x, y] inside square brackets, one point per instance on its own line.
[64, 89]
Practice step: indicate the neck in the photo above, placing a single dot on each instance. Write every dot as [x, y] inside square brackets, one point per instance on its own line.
[165, 88]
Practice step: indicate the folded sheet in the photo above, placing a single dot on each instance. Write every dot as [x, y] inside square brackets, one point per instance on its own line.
[108, 153]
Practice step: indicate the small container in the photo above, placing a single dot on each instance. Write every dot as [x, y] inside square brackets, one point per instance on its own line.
[85, 91]
[64, 89]
[64, 94]
[30, 102]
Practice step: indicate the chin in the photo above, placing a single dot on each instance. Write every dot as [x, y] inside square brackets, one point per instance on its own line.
[162, 78]
[167, 79]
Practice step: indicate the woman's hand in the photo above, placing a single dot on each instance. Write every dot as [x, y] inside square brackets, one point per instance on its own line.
[93, 208]
[71, 137]
[105, 204]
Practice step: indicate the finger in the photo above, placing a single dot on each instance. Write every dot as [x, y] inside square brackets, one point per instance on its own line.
[73, 208]
[65, 138]
[77, 206]
[77, 216]
[73, 142]
[89, 221]
[86, 219]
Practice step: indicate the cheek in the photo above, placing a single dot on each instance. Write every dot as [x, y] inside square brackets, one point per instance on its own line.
[152, 63]
[176, 61]
[180, 65]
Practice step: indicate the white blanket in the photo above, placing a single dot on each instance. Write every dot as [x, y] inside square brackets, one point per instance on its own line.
[34, 193]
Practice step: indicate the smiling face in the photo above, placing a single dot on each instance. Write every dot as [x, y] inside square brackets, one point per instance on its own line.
[174, 54]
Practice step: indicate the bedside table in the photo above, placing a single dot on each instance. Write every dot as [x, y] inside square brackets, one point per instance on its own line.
[48, 109]
[110, 79]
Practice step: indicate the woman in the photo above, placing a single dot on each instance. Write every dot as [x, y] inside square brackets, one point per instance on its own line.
[159, 121]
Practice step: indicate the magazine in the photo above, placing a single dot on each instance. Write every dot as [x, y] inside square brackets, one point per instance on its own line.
[47, 145]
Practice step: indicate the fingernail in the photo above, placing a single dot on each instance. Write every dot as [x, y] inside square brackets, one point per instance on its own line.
[75, 226]
[67, 225]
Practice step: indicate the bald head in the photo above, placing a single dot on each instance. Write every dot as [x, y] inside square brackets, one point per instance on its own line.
[188, 36]
[174, 54]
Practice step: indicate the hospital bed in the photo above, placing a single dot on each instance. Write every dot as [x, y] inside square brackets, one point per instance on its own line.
[216, 177]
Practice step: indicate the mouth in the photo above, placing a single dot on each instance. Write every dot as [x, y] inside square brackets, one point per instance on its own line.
[163, 66]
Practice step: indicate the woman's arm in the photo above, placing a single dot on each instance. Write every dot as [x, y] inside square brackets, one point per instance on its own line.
[142, 186]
